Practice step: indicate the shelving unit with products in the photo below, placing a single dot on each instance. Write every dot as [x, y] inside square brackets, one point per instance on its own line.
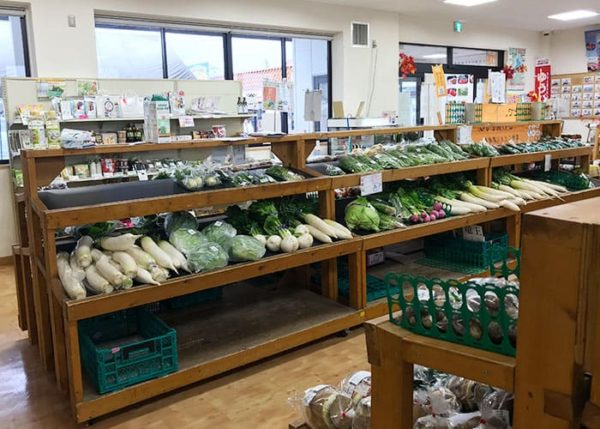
[315, 314]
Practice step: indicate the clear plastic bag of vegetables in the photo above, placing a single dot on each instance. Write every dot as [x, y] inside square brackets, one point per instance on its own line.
[208, 256]
[360, 214]
[220, 232]
[496, 409]
[468, 392]
[246, 248]
[190, 178]
[324, 407]
[187, 241]
[179, 220]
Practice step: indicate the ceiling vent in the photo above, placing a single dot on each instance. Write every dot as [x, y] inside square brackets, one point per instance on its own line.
[360, 35]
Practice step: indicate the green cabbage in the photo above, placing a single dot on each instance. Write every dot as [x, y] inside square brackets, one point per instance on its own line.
[246, 248]
[360, 214]
[220, 232]
[187, 241]
[208, 256]
[178, 220]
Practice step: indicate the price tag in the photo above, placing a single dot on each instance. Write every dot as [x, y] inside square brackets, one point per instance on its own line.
[142, 175]
[473, 233]
[186, 122]
[371, 184]
[547, 162]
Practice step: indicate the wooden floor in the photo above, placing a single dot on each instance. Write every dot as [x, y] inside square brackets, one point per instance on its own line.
[254, 397]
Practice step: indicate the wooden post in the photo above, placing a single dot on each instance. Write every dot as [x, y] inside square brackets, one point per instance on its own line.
[329, 274]
[74, 364]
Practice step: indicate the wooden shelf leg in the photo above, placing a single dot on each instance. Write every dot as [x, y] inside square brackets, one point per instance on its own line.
[329, 280]
[392, 382]
[20, 288]
[357, 269]
[513, 229]
[26, 269]
[74, 365]
[584, 163]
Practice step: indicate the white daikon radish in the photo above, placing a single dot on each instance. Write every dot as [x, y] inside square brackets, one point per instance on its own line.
[127, 263]
[289, 244]
[318, 234]
[121, 242]
[78, 272]
[96, 281]
[509, 205]
[274, 243]
[159, 255]
[341, 231]
[317, 223]
[176, 256]
[305, 241]
[144, 276]
[159, 274]
[475, 200]
[112, 274]
[300, 230]
[83, 251]
[141, 258]
[71, 284]
[97, 255]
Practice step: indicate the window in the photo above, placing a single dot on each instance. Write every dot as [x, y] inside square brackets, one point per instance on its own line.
[278, 67]
[13, 62]
[129, 53]
[426, 54]
[194, 56]
[474, 57]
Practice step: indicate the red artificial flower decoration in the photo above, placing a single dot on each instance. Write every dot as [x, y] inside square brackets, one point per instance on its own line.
[509, 71]
[407, 65]
[533, 96]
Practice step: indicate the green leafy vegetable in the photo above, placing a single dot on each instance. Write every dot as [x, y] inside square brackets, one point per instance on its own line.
[208, 256]
[360, 214]
[220, 232]
[187, 241]
[246, 248]
[179, 220]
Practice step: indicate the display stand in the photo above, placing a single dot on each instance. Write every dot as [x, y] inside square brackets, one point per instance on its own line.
[57, 317]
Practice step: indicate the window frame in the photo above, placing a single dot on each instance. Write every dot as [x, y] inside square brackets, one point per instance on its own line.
[26, 63]
[227, 50]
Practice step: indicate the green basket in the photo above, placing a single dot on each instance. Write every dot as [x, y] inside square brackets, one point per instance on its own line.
[478, 255]
[445, 310]
[502, 269]
[195, 298]
[125, 348]
[572, 181]
[376, 288]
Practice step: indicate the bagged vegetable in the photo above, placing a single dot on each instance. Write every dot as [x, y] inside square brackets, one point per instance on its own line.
[325, 408]
[496, 408]
[360, 214]
[187, 241]
[178, 220]
[282, 174]
[362, 414]
[220, 232]
[206, 257]
[357, 386]
[246, 248]
[468, 392]
[456, 421]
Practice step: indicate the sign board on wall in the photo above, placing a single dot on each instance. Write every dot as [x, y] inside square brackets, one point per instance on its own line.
[542, 78]
[516, 60]
[592, 50]
[439, 80]
[460, 87]
[577, 95]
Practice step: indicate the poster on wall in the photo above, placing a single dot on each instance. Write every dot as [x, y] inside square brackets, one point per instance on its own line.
[460, 87]
[542, 78]
[516, 61]
[592, 50]
[497, 82]
[439, 80]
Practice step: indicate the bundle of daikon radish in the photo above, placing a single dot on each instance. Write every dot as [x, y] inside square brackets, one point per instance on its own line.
[117, 264]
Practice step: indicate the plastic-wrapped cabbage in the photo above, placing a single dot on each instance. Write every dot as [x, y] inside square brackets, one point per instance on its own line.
[221, 233]
[246, 248]
[179, 220]
[187, 241]
[208, 256]
[360, 214]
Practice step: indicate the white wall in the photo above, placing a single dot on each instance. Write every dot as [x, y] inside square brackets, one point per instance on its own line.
[567, 54]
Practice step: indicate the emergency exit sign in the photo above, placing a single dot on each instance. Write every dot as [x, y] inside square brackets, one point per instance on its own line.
[458, 27]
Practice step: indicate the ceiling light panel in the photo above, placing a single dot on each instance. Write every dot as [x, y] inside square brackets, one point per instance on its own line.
[468, 3]
[573, 15]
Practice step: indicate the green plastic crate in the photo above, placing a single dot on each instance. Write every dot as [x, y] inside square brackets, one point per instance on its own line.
[479, 255]
[444, 310]
[376, 288]
[125, 348]
[195, 298]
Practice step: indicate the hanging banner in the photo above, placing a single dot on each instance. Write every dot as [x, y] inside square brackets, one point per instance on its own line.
[542, 78]
[516, 60]
[439, 81]
[592, 50]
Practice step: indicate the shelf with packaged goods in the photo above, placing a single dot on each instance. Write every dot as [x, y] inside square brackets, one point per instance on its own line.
[183, 285]
[141, 118]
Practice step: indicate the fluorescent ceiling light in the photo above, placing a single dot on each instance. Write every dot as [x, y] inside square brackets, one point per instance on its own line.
[468, 2]
[574, 14]
[433, 56]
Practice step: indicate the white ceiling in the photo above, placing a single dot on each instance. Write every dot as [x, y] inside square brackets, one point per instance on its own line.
[522, 14]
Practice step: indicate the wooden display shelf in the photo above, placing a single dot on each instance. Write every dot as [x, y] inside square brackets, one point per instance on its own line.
[349, 180]
[249, 324]
[146, 294]
[564, 198]
[386, 238]
[527, 158]
[60, 218]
